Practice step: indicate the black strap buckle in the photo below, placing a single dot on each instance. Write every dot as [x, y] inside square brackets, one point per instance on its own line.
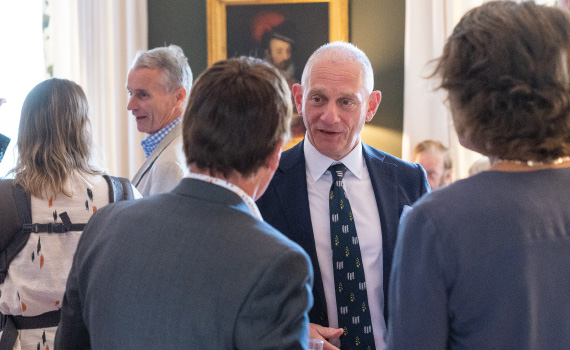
[31, 228]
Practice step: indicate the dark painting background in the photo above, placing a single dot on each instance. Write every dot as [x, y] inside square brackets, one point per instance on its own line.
[310, 21]
[375, 26]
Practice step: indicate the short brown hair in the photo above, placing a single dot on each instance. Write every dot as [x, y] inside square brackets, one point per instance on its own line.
[238, 112]
[506, 69]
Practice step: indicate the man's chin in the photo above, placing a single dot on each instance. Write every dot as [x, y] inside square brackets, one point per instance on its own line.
[143, 128]
[284, 66]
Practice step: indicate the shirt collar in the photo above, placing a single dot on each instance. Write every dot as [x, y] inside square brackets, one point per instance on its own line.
[230, 186]
[149, 144]
[318, 163]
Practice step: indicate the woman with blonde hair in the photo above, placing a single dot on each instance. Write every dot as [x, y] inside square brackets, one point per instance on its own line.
[63, 186]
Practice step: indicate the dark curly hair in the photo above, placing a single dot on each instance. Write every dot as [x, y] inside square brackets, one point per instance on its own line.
[506, 71]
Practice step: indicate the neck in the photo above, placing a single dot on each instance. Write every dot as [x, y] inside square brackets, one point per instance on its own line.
[250, 185]
[521, 165]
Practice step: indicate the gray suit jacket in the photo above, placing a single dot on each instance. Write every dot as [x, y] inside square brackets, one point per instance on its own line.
[187, 269]
[164, 167]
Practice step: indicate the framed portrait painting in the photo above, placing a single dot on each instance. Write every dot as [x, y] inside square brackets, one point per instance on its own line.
[283, 32]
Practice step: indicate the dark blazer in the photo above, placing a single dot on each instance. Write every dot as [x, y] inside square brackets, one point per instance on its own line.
[285, 205]
[187, 269]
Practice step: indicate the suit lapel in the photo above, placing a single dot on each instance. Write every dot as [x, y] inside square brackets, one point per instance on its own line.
[177, 130]
[293, 195]
[385, 186]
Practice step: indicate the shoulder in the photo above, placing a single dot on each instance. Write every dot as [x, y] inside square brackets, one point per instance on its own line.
[173, 149]
[450, 207]
[384, 167]
[291, 168]
[281, 242]
[377, 157]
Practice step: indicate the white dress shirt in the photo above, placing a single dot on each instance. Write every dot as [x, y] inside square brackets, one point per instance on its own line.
[359, 191]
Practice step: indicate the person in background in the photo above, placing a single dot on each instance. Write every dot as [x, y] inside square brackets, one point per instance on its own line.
[4, 140]
[484, 262]
[197, 267]
[480, 165]
[55, 169]
[434, 157]
[158, 83]
[336, 98]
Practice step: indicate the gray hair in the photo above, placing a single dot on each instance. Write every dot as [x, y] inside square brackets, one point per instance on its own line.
[171, 61]
[342, 52]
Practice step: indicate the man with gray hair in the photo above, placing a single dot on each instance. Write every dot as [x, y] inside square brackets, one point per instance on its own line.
[159, 83]
[341, 200]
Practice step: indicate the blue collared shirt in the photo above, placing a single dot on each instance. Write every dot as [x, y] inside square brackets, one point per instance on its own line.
[149, 144]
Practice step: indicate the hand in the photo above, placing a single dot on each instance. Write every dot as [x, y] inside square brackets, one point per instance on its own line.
[323, 333]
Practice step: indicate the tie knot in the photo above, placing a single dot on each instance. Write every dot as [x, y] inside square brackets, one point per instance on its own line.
[337, 171]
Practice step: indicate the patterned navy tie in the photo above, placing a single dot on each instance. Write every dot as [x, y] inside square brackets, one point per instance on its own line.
[350, 284]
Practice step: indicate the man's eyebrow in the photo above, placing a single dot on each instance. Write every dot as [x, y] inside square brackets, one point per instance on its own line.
[321, 91]
[316, 91]
[136, 90]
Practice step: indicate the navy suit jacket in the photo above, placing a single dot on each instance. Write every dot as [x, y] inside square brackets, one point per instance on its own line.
[285, 205]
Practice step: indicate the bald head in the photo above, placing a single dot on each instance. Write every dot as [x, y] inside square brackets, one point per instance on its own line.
[341, 52]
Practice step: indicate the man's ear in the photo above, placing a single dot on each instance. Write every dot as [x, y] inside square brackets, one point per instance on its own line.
[297, 91]
[275, 156]
[373, 103]
[180, 96]
[447, 176]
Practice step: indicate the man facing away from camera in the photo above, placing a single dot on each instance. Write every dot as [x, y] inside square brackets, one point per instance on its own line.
[197, 267]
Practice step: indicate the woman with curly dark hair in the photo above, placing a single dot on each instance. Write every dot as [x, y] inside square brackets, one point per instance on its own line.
[485, 262]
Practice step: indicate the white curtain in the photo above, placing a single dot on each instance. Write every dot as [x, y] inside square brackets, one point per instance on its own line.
[426, 116]
[93, 44]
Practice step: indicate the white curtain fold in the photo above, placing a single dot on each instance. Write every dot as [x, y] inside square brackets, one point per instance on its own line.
[94, 43]
[426, 116]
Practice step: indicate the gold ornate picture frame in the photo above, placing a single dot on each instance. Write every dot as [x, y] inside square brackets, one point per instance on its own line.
[222, 12]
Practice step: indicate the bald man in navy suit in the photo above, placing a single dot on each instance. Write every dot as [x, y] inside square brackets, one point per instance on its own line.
[336, 98]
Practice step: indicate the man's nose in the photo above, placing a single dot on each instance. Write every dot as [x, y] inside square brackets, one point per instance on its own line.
[330, 114]
[132, 104]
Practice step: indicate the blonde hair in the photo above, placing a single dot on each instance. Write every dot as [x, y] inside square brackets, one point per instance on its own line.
[54, 138]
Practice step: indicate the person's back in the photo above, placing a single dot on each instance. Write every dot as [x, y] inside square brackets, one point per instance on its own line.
[55, 171]
[216, 268]
[484, 262]
[197, 267]
[502, 257]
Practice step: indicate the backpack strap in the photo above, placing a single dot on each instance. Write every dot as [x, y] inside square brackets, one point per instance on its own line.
[119, 188]
[13, 235]
[16, 217]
